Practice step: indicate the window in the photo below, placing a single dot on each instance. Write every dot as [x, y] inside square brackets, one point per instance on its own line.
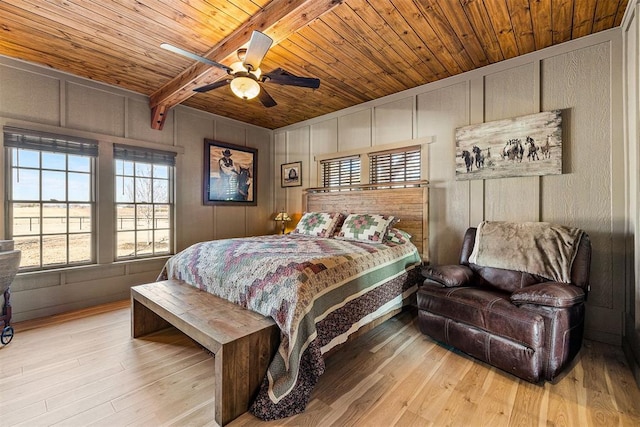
[144, 201]
[400, 165]
[51, 198]
[341, 172]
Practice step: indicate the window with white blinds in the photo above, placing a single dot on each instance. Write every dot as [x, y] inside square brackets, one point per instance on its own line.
[400, 165]
[341, 172]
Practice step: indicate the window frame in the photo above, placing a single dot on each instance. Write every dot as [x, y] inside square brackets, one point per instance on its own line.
[41, 143]
[151, 157]
[104, 223]
[419, 143]
[339, 165]
[382, 166]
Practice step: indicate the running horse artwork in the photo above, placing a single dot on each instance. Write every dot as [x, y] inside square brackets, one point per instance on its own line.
[479, 157]
[513, 150]
[536, 135]
[533, 149]
[468, 160]
[229, 174]
[546, 149]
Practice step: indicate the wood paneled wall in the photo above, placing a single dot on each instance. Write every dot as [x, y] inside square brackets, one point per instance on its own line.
[631, 84]
[35, 97]
[578, 77]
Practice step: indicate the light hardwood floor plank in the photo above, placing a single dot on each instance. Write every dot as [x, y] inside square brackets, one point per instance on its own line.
[432, 398]
[498, 397]
[392, 405]
[466, 397]
[623, 387]
[196, 415]
[601, 409]
[562, 401]
[526, 407]
[83, 368]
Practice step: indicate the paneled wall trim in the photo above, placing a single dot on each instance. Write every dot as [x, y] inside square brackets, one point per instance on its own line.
[631, 84]
[581, 78]
[38, 98]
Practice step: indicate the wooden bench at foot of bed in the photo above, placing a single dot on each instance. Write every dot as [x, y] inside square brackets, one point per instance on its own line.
[243, 342]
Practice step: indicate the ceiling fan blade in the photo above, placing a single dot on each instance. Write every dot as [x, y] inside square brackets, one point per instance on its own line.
[195, 57]
[258, 47]
[266, 99]
[282, 77]
[214, 85]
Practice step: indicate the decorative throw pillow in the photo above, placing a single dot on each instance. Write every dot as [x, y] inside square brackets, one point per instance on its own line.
[397, 236]
[367, 227]
[320, 224]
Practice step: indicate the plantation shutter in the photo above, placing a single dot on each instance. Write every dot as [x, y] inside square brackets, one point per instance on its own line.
[341, 172]
[400, 165]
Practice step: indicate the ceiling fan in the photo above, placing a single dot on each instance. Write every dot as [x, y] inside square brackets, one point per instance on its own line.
[244, 76]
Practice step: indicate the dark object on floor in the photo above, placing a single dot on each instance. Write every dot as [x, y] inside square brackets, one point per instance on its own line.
[9, 264]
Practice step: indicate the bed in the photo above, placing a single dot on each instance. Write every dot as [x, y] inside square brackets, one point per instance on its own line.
[318, 287]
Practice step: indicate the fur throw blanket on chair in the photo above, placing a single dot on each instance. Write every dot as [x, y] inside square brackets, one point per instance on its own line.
[539, 248]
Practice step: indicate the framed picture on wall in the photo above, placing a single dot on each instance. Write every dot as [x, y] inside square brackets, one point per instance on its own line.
[528, 145]
[229, 175]
[291, 174]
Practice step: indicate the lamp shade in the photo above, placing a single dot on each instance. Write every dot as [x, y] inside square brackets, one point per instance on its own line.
[282, 216]
[245, 87]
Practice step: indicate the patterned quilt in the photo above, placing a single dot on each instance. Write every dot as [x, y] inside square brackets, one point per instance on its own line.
[314, 288]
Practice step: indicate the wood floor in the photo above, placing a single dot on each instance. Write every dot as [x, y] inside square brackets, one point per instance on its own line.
[83, 369]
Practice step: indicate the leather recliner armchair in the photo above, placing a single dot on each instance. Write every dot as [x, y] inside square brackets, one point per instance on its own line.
[519, 322]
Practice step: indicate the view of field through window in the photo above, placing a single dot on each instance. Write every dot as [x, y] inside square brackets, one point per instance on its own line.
[52, 207]
[52, 204]
[142, 209]
[44, 228]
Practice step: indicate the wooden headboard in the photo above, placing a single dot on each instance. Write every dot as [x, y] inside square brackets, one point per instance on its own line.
[411, 205]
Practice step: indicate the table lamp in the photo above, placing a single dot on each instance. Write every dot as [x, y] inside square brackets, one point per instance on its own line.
[283, 217]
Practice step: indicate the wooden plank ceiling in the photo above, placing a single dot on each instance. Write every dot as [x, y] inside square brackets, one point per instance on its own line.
[359, 49]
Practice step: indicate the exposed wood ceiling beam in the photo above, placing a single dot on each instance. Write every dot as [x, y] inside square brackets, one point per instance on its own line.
[279, 19]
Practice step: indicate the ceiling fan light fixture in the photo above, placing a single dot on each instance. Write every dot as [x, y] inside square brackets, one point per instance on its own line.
[245, 76]
[245, 87]
[238, 67]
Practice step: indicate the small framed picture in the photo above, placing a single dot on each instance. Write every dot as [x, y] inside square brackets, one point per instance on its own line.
[291, 174]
